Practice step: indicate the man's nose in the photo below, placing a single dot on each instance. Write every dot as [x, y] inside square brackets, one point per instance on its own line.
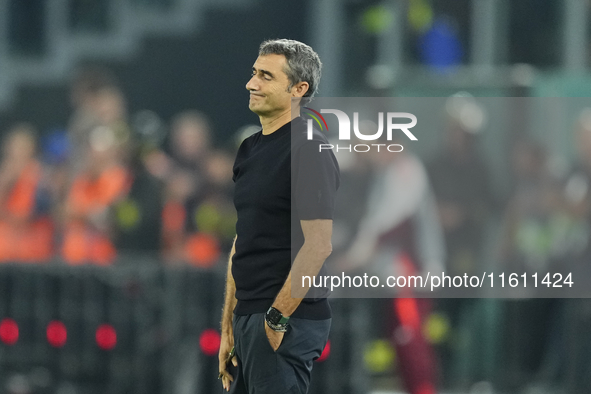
[251, 84]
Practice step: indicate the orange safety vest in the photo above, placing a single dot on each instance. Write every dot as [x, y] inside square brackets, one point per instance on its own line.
[22, 237]
[198, 248]
[82, 243]
[202, 250]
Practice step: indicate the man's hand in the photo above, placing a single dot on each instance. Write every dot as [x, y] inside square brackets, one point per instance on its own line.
[275, 337]
[227, 340]
[226, 345]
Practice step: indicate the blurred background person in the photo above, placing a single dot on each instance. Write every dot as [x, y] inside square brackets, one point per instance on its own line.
[531, 237]
[101, 208]
[137, 215]
[577, 189]
[461, 184]
[189, 147]
[569, 248]
[465, 201]
[26, 233]
[103, 182]
[186, 183]
[216, 215]
[400, 234]
[198, 216]
[531, 243]
[97, 101]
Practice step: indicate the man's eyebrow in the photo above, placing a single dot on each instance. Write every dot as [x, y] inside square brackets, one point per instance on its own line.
[264, 72]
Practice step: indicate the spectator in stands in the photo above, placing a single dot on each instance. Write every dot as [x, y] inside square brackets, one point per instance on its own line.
[25, 235]
[138, 215]
[191, 215]
[216, 215]
[530, 241]
[190, 139]
[462, 187]
[566, 356]
[533, 241]
[55, 151]
[400, 234]
[577, 188]
[107, 154]
[102, 182]
[97, 101]
[464, 196]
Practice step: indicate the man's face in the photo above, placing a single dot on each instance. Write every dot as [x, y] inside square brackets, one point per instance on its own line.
[268, 86]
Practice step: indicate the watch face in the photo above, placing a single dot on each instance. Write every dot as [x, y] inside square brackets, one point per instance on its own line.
[274, 316]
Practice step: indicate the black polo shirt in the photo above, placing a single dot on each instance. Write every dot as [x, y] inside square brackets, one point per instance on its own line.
[280, 179]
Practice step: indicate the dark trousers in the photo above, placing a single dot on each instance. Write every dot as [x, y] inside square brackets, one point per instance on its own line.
[264, 371]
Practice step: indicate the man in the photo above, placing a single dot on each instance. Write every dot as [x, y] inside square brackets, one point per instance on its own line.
[284, 198]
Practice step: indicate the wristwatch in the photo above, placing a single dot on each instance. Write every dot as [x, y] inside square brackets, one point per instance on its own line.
[275, 320]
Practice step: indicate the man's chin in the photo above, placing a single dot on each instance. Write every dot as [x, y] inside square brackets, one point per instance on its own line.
[256, 109]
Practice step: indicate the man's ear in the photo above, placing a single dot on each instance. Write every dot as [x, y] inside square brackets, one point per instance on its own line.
[299, 89]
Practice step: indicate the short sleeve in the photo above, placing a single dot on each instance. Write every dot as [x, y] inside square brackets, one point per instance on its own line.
[317, 178]
[240, 158]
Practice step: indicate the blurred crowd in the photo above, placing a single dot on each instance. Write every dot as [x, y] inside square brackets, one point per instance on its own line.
[112, 184]
[445, 213]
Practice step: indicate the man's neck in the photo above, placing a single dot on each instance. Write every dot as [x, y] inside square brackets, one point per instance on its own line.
[272, 124]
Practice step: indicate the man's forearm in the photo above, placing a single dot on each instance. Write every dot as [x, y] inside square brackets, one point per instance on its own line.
[308, 262]
[230, 297]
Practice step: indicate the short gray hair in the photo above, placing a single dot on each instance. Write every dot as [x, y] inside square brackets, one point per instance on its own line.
[303, 64]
